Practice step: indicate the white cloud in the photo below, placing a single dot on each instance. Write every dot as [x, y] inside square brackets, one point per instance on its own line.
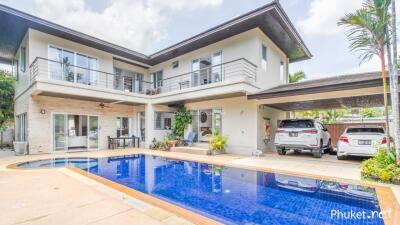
[135, 24]
[323, 15]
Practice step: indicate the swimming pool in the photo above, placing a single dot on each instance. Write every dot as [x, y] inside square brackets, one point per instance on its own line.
[231, 195]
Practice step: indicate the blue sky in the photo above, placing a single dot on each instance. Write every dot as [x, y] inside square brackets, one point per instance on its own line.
[150, 25]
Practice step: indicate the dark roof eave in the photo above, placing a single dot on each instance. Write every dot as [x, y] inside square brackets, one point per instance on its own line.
[375, 82]
[58, 30]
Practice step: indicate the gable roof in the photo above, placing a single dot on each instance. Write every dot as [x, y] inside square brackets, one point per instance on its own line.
[270, 18]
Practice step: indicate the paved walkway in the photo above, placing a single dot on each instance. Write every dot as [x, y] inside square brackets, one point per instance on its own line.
[61, 196]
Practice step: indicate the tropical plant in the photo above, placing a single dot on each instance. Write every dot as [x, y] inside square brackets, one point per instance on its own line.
[296, 77]
[382, 166]
[371, 112]
[367, 32]
[182, 119]
[7, 87]
[218, 143]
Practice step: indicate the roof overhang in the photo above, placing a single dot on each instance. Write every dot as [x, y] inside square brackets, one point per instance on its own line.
[348, 91]
[271, 19]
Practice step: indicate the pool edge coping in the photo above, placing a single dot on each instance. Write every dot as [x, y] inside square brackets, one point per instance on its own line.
[384, 191]
[194, 217]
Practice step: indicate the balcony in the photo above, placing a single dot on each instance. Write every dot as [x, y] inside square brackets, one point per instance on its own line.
[235, 70]
[239, 70]
[54, 70]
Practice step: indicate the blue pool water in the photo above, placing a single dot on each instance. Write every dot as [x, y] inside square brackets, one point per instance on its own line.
[231, 195]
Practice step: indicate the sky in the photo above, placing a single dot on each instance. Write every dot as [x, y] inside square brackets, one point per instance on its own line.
[147, 26]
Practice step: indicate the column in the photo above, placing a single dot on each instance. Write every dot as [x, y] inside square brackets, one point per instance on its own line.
[149, 124]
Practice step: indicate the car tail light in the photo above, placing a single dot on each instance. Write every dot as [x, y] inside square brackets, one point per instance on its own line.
[384, 141]
[344, 139]
[280, 131]
[310, 131]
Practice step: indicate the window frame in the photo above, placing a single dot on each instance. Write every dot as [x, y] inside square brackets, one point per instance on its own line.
[162, 120]
[158, 83]
[264, 56]
[22, 58]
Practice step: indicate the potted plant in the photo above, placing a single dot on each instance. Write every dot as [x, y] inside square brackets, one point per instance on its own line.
[172, 139]
[218, 144]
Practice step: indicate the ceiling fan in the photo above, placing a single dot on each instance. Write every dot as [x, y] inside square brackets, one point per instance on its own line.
[102, 105]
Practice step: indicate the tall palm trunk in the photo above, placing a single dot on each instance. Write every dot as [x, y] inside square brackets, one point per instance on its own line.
[394, 96]
[395, 81]
[385, 100]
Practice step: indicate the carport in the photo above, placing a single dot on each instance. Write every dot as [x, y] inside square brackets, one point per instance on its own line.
[346, 91]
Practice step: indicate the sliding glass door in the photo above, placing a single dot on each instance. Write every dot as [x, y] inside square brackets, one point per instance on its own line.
[60, 132]
[75, 132]
[93, 132]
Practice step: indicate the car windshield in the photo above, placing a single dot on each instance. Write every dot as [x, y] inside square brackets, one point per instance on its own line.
[297, 124]
[366, 130]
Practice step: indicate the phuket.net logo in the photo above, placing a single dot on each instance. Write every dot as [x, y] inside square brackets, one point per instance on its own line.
[361, 215]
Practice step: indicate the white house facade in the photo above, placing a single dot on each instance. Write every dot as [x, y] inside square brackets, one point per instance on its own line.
[74, 91]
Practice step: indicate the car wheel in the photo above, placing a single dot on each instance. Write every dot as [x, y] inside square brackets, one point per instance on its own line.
[281, 151]
[317, 153]
[341, 157]
[330, 148]
[297, 152]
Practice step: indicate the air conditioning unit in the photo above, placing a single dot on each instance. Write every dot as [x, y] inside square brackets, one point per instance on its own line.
[20, 147]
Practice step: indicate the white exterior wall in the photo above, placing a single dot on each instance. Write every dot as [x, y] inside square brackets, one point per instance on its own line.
[23, 76]
[240, 122]
[245, 45]
[40, 125]
[242, 119]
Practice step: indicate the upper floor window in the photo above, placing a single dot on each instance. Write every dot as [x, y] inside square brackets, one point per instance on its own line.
[128, 81]
[282, 71]
[71, 66]
[23, 59]
[264, 57]
[158, 79]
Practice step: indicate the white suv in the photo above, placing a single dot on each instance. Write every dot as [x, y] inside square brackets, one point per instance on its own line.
[360, 141]
[302, 134]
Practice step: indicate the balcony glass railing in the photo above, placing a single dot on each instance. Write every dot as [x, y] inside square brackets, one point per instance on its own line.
[235, 70]
[54, 70]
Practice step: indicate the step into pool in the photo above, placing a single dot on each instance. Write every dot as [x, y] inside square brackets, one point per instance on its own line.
[232, 195]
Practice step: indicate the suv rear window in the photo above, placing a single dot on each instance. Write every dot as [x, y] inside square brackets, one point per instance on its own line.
[296, 124]
[365, 130]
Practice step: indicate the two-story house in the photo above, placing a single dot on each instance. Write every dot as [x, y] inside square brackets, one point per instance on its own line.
[74, 90]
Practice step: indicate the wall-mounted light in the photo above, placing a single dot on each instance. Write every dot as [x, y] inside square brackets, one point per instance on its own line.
[42, 111]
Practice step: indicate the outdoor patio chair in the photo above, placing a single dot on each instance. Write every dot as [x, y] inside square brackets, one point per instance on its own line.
[112, 144]
[190, 138]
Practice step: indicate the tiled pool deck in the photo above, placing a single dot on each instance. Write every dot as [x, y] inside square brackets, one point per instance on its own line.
[63, 196]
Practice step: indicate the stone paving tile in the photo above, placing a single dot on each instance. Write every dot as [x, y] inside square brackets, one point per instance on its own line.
[49, 191]
[130, 217]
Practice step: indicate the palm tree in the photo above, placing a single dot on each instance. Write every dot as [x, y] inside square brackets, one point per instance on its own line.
[296, 77]
[394, 81]
[367, 33]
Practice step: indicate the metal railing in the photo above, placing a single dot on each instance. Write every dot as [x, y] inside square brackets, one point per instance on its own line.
[239, 69]
[67, 72]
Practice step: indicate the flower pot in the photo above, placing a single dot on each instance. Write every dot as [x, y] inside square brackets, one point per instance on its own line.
[172, 143]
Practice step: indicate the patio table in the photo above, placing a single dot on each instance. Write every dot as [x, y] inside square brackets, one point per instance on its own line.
[124, 143]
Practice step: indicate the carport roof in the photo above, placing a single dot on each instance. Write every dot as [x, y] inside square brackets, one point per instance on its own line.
[335, 83]
[344, 91]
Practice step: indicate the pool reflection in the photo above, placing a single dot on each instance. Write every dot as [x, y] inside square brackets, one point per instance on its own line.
[238, 196]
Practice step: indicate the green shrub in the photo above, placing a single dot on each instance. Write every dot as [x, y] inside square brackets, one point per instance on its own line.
[218, 143]
[382, 167]
[181, 121]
